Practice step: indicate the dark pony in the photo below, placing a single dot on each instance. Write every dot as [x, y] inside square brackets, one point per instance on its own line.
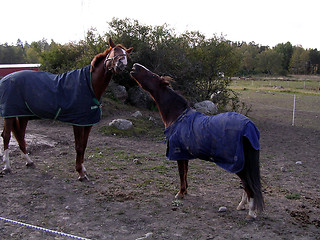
[186, 141]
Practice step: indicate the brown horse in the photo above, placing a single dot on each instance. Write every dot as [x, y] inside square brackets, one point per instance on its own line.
[191, 135]
[72, 97]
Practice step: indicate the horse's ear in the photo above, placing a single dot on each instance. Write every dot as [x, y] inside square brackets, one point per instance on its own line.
[165, 81]
[129, 51]
[111, 43]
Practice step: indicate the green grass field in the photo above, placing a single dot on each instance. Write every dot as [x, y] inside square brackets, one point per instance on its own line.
[293, 84]
[276, 104]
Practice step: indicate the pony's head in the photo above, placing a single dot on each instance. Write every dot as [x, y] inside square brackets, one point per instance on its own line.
[148, 80]
[115, 58]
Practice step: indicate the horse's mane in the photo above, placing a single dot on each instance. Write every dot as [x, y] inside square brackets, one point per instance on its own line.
[99, 57]
[177, 98]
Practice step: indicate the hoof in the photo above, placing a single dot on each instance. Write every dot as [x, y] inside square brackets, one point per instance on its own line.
[241, 208]
[83, 178]
[30, 165]
[179, 196]
[250, 218]
[6, 170]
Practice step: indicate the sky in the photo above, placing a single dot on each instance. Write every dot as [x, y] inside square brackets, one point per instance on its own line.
[266, 22]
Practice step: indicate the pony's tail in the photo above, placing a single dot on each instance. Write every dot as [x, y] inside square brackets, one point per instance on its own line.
[252, 174]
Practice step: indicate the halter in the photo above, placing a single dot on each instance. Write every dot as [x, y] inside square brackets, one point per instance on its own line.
[111, 59]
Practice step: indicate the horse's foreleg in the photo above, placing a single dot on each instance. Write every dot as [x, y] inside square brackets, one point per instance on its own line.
[81, 135]
[183, 171]
[19, 130]
[6, 135]
[243, 202]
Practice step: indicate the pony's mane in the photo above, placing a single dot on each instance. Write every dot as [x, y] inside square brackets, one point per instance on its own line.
[177, 98]
[99, 57]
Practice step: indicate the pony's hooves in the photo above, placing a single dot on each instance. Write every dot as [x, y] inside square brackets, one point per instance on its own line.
[179, 196]
[241, 208]
[6, 170]
[30, 165]
[250, 218]
[83, 178]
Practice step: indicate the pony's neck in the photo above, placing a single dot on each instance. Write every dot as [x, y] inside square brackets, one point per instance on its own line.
[100, 79]
[170, 104]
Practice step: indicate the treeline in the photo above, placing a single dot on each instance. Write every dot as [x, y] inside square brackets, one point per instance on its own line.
[201, 67]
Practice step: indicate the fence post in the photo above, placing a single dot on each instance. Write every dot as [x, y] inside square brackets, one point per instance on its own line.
[294, 108]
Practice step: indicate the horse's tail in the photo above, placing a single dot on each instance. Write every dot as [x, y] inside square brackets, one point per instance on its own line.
[252, 174]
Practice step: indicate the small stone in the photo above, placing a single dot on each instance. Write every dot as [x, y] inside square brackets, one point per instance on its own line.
[121, 124]
[137, 114]
[136, 161]
[298, 162]
[222, 209]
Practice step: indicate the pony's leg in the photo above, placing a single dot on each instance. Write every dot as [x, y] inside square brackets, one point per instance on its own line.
[252, 212]
[81, 135]
[6, 135]
[243, 202]
[250, 177]
[183, 170]
[247, 195]
[19, 130]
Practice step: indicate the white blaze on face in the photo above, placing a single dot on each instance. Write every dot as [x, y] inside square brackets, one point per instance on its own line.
[124, 60]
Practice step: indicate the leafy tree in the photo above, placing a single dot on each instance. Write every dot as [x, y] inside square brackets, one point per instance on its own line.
[11, 54]
[249, 54]
[299, 63]
[314, 56]
[269, 62]
[286, 50]
[60, 58]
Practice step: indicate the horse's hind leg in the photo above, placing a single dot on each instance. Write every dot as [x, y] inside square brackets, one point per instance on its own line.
[183, 172]
[250, 177]
[246, 195]
[19, 131]
[6, 135]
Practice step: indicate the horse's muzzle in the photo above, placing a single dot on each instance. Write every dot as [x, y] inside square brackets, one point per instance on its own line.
[120, 67]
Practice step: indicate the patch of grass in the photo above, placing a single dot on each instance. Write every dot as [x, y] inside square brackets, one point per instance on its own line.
[293, 196]
[142, 128]
[160, 168]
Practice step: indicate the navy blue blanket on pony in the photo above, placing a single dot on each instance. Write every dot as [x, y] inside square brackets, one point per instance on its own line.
[66, 97]
[216, 138]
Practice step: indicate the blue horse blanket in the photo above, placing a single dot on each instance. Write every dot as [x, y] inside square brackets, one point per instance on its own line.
[216, 138]
[66, 97]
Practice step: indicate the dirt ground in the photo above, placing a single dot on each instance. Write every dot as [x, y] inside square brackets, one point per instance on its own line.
[131, 190]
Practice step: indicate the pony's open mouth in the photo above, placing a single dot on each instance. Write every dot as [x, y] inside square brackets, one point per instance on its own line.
[133, 70]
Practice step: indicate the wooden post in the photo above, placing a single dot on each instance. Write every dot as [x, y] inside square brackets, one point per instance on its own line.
[294, 108]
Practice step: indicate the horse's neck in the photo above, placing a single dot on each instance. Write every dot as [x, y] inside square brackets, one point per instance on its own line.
[100, 81]
[170, 105]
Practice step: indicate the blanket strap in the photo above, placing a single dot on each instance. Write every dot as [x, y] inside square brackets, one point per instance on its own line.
[57, 114]
[98, 104]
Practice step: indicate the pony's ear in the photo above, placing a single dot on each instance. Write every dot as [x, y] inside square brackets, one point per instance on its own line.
[111, 43]
[165, 81]
[129, 51]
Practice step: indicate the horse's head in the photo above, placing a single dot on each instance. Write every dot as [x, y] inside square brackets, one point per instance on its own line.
[115, 58]
[148, 80]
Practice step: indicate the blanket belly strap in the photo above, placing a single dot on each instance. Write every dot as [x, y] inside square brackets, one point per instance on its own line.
[58, 113]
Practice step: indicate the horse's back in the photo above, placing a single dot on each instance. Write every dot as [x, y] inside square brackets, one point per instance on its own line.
[216, 138]
[67, 97]
[20, 90]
